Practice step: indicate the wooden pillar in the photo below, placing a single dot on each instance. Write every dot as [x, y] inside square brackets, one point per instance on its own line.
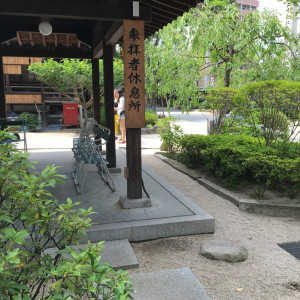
[3, 112]
[96, 89]
[43, 104]
[134, 77]
[109, 104]
[134, 163]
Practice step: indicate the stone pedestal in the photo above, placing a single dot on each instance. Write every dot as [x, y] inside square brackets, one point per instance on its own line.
[125, 202]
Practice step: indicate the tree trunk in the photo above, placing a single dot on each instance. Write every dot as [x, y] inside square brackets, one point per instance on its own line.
[227, 76]
[153, 99]
[162, 105]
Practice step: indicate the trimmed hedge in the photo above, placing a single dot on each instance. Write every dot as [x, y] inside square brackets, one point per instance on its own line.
[150, 118]
[240, 159]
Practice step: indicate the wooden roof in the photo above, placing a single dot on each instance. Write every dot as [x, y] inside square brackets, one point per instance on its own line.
[80, 27]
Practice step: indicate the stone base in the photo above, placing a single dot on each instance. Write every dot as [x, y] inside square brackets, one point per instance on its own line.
[134, 203]
[115, 170]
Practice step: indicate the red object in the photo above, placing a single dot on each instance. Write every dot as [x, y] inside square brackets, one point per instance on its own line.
[70, 111]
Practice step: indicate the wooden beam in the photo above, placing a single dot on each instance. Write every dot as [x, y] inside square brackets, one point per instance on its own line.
[114, 33]
[45, 52]
[98, 50]
[190, 5]
[163, 16]
[3, 112]
[44, 40]
[72, 10]
[19, 39]
[162, 8]
[156, 27]
[159, 21]
[173, 5]
[31, 39]
[68, 40]
[55, 40]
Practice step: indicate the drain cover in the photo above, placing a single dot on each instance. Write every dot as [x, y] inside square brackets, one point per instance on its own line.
[292, 248]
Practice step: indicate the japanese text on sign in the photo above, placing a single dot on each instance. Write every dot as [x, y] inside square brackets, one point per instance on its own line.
[134, 73]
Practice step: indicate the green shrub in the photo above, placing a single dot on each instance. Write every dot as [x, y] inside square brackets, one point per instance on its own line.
[170, 134]
[150, 118]
[31, 120]
[32, 221]
[222, 101]
[239, 159]
[271, 107]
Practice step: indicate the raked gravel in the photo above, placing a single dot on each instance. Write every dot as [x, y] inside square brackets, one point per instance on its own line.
[268, 273]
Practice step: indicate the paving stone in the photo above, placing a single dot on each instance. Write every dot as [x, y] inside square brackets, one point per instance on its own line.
[223, 250]
[179, 284]
[118, 253]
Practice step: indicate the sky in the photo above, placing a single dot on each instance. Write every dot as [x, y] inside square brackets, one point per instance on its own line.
[274, 4]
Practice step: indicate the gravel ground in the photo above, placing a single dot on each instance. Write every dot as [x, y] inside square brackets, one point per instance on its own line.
[269, 273]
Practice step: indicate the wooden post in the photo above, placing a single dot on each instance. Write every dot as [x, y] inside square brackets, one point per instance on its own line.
[43, 104]
[134, 163]
[96, 89]
[3, 111]
[109, 104]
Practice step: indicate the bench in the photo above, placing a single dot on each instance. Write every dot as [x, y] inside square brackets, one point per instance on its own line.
[87, 152]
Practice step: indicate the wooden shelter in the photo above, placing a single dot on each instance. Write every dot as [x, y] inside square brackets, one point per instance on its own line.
[86, 29]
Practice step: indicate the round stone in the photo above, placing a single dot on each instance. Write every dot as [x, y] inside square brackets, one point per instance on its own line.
[223, 250]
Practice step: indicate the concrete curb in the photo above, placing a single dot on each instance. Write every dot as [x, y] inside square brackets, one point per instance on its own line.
[254, 206]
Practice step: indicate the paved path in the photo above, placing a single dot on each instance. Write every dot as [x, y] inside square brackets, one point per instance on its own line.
[194, 122]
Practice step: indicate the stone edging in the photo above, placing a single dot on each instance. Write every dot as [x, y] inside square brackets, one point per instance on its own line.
[153, 130]
[291, 210]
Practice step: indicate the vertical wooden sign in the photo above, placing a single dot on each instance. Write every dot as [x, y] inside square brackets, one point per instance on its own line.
[134, 73]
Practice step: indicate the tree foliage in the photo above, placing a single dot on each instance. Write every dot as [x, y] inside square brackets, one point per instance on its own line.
[222, 101]
[235, 49]
[272, 108]
[73, 78]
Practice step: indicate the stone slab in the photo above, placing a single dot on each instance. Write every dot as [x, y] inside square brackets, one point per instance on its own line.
[179, 284]
[171, 212]
[152, 229]
[118, 254]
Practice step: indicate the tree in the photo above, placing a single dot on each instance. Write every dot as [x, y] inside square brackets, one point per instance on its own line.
[31, 222]
[73, 78]
[222, 100]
[234, 48]
[272, 108]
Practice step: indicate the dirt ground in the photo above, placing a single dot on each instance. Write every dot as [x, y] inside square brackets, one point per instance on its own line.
[269, 273]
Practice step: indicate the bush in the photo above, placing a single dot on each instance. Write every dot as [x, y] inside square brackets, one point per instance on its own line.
[32, 122]
[171, 134]
[272, 108]
[32, 221]
[150, 118]
[239, 159]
